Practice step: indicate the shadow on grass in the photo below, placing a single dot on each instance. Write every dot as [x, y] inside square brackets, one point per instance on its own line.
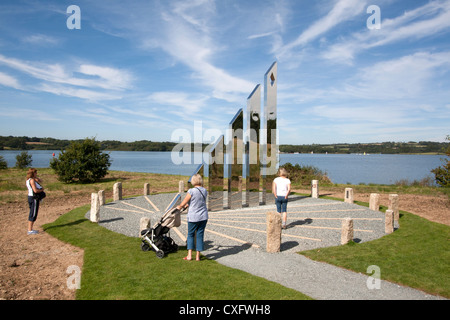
[69, 224]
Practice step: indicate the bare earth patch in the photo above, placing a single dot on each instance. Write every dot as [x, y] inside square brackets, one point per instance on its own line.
[34, 267]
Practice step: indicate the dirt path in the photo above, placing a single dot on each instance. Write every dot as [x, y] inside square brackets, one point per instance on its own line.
[34, 267]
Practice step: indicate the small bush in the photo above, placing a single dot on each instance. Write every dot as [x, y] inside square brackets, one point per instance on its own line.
[23, 160]
[304, 174]
[81, 162]
[3, 164]
[442, 174]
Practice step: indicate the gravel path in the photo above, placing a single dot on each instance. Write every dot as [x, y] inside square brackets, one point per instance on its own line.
[236, 238]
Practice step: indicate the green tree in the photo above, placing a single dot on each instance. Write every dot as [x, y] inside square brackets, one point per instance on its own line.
[23, 160]
[81, 162]
[442, 174]
[3, 164]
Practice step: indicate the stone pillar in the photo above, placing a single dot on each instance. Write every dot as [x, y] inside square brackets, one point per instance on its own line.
[315, 189]
[95, 208]
[240, 184]
[374, 202]
[101, 197]
[347, 231]
[389, 222]
[393, 205]
[181, 187]
[146, 189]
[117, 191]
[348, 195]
[144, 223]
[273, 229]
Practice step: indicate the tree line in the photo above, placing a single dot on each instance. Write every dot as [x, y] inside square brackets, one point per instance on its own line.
[410, 147]
[34, 143]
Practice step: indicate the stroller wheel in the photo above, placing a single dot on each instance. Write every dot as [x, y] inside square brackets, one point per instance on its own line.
[145, 246]
[160, 254]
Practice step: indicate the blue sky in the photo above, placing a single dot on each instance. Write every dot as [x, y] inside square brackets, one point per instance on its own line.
[142, 69]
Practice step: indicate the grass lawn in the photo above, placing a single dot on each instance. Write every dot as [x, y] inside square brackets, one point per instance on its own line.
[115, 267]
[416, 255]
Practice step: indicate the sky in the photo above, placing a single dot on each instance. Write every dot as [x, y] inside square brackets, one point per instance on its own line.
[349, 71]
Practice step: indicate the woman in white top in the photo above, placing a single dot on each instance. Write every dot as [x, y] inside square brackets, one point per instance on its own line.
[33, 187]
[281, 187]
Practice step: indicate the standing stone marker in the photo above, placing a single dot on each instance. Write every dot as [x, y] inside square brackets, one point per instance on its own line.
[146, 189]
[393, 205]
[181, 186]
[117, 191]
[389, 222]
[374, 202]
[144, 223]
[347, 231]
[273, 229]
[315, 189]
[95, 208]
[101, 197]
[348, 195]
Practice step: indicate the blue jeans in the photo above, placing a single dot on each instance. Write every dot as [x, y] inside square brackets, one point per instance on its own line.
[281, 203]
[193, 228]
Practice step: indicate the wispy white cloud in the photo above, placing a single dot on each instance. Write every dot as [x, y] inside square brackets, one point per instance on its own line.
[9, 81]
[62, 79]
[188, 33]
[425, 21]
[41, 40]
[105, 77]
[193, 46]
[21, 113]
[184, 103]
[196, 13]
[342, 11]
[81, 93]
[407, 77]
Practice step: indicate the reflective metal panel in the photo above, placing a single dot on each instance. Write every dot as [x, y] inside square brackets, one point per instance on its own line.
[213, 174]
[251, 175]
[233, 161]
[269, 145]
[251, 159]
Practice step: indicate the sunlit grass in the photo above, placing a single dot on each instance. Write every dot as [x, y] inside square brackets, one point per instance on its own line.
[115, 267]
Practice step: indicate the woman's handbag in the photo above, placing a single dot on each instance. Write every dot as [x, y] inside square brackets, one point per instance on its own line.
[39, 196]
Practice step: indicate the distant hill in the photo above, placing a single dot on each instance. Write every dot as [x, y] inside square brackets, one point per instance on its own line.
[411, 147]
[422, 147]
[34, 143]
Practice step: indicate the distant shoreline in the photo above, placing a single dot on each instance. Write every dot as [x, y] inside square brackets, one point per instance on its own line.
[411, 147]
[107, 150]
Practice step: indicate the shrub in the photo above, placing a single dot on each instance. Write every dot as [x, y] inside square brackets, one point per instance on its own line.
[23, 160]
[81, 162]
[442, 174]
[304, 174]
[3, 164]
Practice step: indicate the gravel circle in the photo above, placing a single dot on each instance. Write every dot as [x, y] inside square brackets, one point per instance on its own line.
[237, 238]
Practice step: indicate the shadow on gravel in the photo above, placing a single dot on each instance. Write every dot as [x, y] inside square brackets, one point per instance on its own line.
[222, 251]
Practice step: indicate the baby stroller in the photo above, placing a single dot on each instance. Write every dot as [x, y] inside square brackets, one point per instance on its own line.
[158, 238]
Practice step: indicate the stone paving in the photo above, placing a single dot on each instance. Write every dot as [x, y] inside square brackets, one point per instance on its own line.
[312, 223]
[237, 238]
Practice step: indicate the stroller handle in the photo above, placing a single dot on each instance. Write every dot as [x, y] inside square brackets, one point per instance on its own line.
[182, 209]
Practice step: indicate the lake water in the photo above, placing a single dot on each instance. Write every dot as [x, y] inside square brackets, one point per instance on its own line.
[341, 168]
